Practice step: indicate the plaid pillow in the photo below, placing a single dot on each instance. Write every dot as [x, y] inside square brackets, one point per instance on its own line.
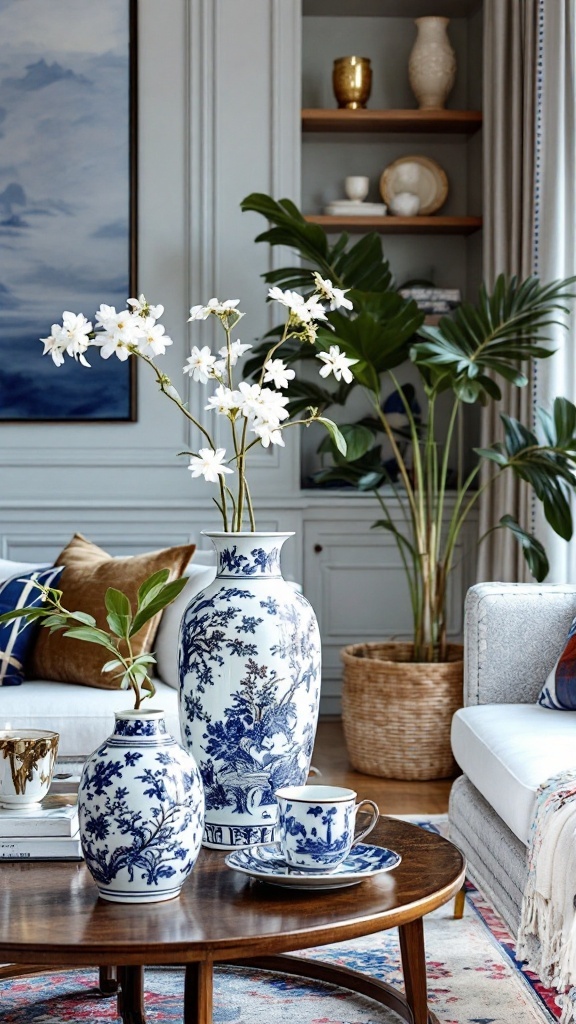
[559, 690]
[17, 637]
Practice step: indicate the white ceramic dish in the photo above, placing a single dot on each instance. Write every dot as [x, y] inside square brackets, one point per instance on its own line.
[419, 175]
[352, 208]
[267, 864]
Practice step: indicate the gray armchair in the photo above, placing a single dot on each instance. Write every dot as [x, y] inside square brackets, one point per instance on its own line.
[505, 744]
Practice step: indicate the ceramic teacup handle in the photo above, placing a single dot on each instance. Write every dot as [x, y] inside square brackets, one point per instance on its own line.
[375, 815]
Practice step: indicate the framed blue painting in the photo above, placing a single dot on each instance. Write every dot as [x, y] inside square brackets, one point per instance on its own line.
[67, 199]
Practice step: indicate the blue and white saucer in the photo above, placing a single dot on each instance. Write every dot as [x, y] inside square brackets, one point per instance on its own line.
[267, 864]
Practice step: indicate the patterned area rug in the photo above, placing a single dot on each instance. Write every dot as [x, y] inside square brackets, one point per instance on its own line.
[473, 978]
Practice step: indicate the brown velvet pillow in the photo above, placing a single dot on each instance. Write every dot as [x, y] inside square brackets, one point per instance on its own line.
[88, 573]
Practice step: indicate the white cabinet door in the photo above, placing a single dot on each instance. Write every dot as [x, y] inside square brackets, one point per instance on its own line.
[354, 579]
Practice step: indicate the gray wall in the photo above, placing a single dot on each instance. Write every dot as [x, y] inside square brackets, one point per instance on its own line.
[218, 118]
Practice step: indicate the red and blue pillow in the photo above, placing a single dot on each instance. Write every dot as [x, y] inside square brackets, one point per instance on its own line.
[559, 690]
[17, 637]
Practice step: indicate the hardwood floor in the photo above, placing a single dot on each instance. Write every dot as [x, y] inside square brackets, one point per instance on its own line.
[392, 796]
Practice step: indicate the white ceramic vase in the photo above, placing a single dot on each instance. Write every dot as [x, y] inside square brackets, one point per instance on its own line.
[432, 64]
[141, 808]
[249, 687]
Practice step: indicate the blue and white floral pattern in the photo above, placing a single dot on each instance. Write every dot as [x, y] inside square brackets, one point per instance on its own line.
[231, 562]
[249, 688]
[141, 807]
[320, 837]
[267, 863]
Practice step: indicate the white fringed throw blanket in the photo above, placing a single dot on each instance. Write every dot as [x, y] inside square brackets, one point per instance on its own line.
[547, 936]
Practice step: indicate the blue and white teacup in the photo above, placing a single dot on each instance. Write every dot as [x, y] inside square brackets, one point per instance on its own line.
[317, 825]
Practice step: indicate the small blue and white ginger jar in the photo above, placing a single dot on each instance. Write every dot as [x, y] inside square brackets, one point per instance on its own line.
[141, 808]
[249, 687]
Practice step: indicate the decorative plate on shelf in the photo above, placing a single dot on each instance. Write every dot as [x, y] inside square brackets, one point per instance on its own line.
[267, 864]
[420, 175]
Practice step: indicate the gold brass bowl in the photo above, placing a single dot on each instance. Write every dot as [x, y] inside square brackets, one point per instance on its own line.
[352, 81]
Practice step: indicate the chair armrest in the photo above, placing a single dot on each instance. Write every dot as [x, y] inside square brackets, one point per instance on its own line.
[513, 634]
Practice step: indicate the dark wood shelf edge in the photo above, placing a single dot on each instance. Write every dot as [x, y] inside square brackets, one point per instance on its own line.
[436, 225]
[437, 121]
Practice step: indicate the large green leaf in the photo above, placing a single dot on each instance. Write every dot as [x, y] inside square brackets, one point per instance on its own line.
[119, 613]
[361, 265]
[378, 344]
[509, 326]
[168, 593]
[91, 636]
[549, 467]
[152, 586]
[359, 440]
[336, 436]
[532, 549]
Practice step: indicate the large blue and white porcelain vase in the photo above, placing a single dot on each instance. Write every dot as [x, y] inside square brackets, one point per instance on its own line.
[141, 807]
[249, 687]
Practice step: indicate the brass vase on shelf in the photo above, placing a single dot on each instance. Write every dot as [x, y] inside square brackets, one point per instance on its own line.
[352, 81]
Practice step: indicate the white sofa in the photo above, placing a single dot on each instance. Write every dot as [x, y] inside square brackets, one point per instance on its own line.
[505, 744]
[83, 715]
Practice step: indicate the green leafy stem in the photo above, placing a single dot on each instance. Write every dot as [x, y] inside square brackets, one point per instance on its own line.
[131, 670]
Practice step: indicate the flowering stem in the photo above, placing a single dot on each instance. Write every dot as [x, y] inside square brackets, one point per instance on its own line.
[165, 383]
[241, 476]
[250, 507]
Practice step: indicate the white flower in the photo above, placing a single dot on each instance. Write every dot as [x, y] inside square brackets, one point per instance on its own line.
[278, 373]
[268, 435]
[337, 363]
[270, 407]
[237, 349]
[200, 364]
[54, 347]
[71, 337]
[198, 313]
[208, 463]
[119, 330]
[153, 340]
[225, 308]
[249, 399]
[294, 302]
[224, 400]
[335, 296]
[142, 307]
[301, 309]
[315, 310]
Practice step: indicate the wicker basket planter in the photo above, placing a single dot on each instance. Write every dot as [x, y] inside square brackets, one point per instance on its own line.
[396, 712]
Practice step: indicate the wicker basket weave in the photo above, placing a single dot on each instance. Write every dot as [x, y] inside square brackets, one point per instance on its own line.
[397, 713]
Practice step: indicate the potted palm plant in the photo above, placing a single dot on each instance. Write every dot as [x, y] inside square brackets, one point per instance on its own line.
[398, 699]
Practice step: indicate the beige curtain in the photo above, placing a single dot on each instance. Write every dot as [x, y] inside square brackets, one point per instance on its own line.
[556, 229]
[510, 55]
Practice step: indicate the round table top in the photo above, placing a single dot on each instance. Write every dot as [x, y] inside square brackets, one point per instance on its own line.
[50, 912]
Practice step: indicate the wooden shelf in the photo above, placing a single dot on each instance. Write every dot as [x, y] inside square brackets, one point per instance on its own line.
[436, 225]
[465, 122]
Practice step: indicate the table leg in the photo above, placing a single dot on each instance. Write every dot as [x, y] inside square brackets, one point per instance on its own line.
[414, 968]
[107, 981]
[460, 903]
[131, 995]
[198, 993]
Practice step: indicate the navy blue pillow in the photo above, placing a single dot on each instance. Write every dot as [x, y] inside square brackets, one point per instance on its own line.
[17, 637]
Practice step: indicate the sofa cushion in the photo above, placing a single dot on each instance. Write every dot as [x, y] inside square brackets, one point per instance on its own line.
[559, 690]
[83, 717]
[500, 748]
[166, 643]
[9, 568]
[17, 637]
[88, 572]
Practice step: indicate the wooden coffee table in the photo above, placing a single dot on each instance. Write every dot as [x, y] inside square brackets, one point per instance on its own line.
[51, 916]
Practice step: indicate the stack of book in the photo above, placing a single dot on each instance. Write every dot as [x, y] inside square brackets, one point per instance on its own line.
[46, 832]
[431, 300]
